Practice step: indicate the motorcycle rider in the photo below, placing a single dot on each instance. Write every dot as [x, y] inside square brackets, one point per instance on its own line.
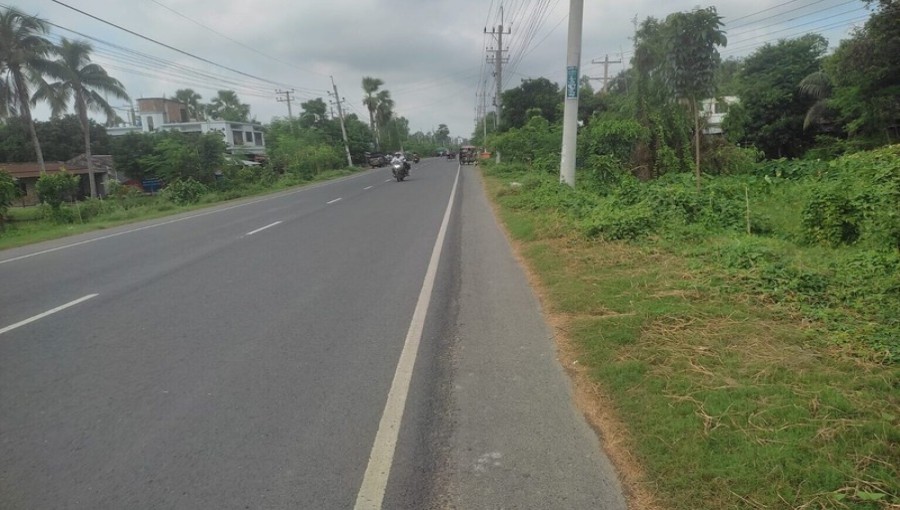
[399, 157]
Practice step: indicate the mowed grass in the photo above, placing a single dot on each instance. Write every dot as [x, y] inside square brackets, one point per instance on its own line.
[728, 400]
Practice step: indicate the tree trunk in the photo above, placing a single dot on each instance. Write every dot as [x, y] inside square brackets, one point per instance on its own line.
[696, 141]
[22, 91]
[86, 129]
[374, 130]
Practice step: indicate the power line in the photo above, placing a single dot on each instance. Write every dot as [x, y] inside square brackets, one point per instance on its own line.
[233, 40]
[242, 73]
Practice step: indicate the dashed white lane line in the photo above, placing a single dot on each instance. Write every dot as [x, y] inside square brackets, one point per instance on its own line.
[260, 229]
[48, 312]
[333, 201]
[368, 187]
[371, 492]
[388, 180]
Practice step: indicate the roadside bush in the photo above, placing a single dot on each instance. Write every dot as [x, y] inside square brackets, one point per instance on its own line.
[183, 192]
[724, 158]
[7, 194]
[125, 196]
[615, 138]
[612, 222]
[792, 169]
[537, 138]
[856, 201]
[54, 189]
[90, 208]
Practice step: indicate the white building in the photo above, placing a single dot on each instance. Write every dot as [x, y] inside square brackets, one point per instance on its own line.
[157, 114]
[713, 112]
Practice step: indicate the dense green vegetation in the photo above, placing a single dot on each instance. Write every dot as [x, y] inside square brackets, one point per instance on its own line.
[746, 332]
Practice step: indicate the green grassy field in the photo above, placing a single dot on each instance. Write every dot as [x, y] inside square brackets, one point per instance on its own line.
[730, 395]
[27, 225]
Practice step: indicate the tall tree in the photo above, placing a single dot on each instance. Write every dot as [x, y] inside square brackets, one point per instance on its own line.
[192, 100]
[84, 81]
[865, 71]
[23, 49]
[693, 57]
[370, 86]
[313, 112]
[531, 93]
[773, 107]
[442, 134]
[227, 106]
[384, 111]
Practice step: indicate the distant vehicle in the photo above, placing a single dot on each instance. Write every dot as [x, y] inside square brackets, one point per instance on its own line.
[467, 155]
[451, 155]
[376, 159]
[415, 157]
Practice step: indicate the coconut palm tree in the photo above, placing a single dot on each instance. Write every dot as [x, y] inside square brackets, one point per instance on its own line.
[23, 49]
[192, 100]
[384, 111]
[78, 77]
[227, 106]
[817, 85]
[370, 86]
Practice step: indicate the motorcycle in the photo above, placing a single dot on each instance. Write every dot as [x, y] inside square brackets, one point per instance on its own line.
[400, 170]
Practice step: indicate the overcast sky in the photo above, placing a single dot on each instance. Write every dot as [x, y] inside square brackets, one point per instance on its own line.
[430, 53]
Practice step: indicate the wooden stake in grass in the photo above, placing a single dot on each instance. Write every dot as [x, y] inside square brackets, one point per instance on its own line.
[747, 199]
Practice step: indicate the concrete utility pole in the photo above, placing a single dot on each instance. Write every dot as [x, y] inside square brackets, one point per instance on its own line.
[498, 60]
[484, 114]
[286, 99]
[570, 110]
[337, 101]
[606, 62]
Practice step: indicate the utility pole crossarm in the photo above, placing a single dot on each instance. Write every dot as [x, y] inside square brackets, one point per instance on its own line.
[606, 62]
[286, 99]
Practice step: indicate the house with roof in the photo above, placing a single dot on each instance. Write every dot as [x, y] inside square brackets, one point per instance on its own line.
[27, 174]
[159, 114]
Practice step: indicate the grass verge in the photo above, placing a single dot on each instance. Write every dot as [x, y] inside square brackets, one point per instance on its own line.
[27, 225]
[718, 397]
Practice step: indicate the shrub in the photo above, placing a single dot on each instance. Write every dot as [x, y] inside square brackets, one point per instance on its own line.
[856, 200]
[723, 158]
[126, 196]
[616, 138]
[7, 193]
[54, 189]
[183, 192]
[612, 222]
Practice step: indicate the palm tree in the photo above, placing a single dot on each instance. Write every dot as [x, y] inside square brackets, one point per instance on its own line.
[370, 86]
[384, 111]
[817, 85]
[84, 80]
[192, 100]
[22, 50]
[227, 106]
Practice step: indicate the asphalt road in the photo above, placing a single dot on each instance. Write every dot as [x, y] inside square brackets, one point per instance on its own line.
[246, 356]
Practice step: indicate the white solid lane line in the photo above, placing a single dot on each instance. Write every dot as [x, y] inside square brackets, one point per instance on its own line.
[371, 492]
[333, 201]
[368, 187]
[260, 229]
[48, 312]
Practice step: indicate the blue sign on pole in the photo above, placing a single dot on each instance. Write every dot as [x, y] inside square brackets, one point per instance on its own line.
[571, 82]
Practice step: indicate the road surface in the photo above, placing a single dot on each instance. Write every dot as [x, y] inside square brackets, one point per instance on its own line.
[358, 344]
